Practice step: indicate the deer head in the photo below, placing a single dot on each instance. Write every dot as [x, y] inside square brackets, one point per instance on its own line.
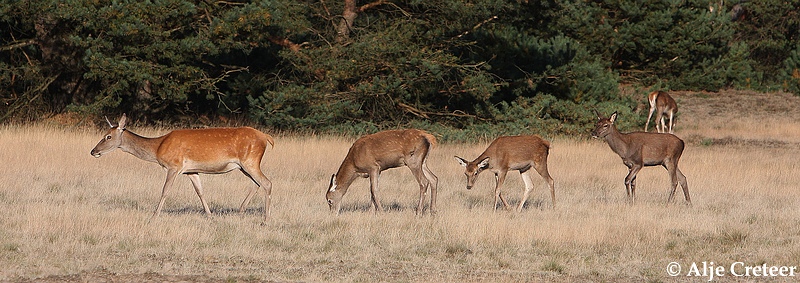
[112, 139]
[472, 169]
[604, 126]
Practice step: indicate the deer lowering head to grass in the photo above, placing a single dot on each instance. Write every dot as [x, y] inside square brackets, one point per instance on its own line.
[194, 151]
[639, 149]
[508, 153]
[662, 104]
[374, 153]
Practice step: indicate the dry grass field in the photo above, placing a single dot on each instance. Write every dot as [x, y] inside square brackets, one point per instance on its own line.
[69, 217]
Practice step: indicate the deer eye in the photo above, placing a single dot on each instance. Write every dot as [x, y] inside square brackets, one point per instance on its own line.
[108, 137]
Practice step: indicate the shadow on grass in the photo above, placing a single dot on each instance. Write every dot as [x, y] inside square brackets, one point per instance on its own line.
[221, 211]
[387, 207]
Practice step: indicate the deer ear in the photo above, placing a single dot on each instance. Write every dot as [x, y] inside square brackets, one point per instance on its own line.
[461, 161]
[332, 186]
[122, 121]
[613, 117]
[484, 163]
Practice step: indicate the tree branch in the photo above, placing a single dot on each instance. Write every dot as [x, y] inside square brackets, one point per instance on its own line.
[18, 44]
[424, 114]
[477, 26]
[370, 5]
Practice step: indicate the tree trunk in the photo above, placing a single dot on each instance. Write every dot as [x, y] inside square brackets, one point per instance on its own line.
[346, 24]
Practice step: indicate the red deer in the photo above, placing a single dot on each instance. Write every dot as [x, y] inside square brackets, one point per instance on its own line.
[371, 154]
[639, 149]
[194, 151]
[662, 104]
[508, 153]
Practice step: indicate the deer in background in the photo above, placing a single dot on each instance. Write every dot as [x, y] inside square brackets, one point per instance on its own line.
[639, 149]
[195, 151]
[371, 154]
[662, 104]
[508, 153]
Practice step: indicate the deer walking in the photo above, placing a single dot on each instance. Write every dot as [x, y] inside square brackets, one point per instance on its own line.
[509, 153]
[371, 154]
[662, 104]
[195, 151]
[639, 149]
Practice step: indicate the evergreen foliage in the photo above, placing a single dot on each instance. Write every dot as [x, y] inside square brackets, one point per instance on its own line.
[466, 69]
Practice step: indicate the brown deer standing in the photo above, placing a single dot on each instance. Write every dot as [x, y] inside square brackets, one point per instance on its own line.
[662, 104]
[195, 151]
[508, 153]
[639, 149]
[374, 153]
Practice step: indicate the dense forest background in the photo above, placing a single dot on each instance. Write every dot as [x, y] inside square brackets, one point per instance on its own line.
[463, 69]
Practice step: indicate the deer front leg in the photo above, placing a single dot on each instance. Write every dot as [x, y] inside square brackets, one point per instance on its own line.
[373, 190]
[630, 184]
[500, 179]
[167, 185]
[198, 188]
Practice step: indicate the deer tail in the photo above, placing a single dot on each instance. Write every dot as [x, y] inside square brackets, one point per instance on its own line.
[430, 138]
[652, 98]
[270, 140]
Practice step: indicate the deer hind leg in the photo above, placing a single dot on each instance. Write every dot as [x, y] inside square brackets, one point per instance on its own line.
[671, 121]
[526, 178]
[250, 192]
[198, 188]
[500, 178]
[433, 182]
[258, 177]
[167, 185]
[660, 121]
[373, 190]
[424, 183]
[673, 179]
[541, 168]
[650, 115]
[426, 179]
[684, 184]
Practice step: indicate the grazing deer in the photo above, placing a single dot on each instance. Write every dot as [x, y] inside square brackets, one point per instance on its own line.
[374, 153]
[662, 104]
[512, 153]
[639, 149]
[195, 151]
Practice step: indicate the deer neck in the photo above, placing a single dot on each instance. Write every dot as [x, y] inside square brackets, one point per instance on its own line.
[345, 176]
[141, 147]
[617, 141]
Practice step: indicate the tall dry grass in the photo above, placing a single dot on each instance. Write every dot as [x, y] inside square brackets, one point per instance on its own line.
[64, 212]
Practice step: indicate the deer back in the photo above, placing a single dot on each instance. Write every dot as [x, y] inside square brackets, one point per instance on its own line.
[665, 103]
[515, 152]
[654, 148]
[213, 145]
[388, 149]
